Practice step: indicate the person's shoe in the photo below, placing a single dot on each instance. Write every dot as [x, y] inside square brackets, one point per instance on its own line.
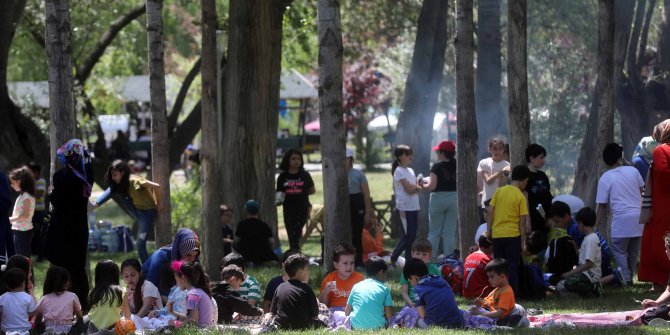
[618, 274]
[400, 262]
[597, 290]
[659, 323]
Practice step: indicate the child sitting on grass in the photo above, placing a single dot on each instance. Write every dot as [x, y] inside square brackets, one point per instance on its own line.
[369, 304]
[500, 305]
[435, 302]
[423, 250]
[336, 286]
[16, 306]
[228, 300]
[58, 306]
[476, 282]
[249, 290]
[276, 281]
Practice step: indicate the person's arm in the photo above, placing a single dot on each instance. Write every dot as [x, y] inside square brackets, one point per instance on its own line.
[244, 308]
[104, 197]
[601, 216]
[523, 228]
[347, 310]
[147, 305]
[156, 188]
[409, 187]
[421, 311]
[489, 221]
[493, 314]
[388, 313]
[24, 212]
[405, 295]
[581, 268]
[662, 299]
[369, 210]
[432, 185]
[326, 288]
[490, 178]
[266, 305]
[77, 311]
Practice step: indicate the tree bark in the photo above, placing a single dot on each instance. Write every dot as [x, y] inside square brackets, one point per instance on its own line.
[488, 90]
[61, 88]
[517, 81]
[422, 89]
[251, 100]
[664, 38]
[337, 217]
[211, 228]
[160, 144]
[466, 126]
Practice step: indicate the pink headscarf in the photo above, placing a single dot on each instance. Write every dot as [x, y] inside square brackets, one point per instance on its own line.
[662, 132]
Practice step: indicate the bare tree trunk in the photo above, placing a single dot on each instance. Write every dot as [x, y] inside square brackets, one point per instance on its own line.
[623, 20]
[212, 235]
[61, 100]
[251, 102]
[664, 38]
[160, 144]
[488, 90]
[517, 81]
[415, 124]
[466, 124]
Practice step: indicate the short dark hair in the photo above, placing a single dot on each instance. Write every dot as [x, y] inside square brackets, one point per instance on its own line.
[422, 245]
[295, 263]
[56, 281]
[558, 209]
[496, 140]
[288, 253]
[414, 267]
[586, 216]
[483, 241]
[232, 271]
[374, 265]
[341, 250]
[498, 266]
[612, 153]
[233, 258]
[534, 150]
[14, 277]
[520, 173]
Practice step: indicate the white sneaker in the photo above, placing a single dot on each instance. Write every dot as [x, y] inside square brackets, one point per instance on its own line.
[400, 262]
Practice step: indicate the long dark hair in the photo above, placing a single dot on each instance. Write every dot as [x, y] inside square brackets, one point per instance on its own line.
[137, 294]
[287, 159]
[106, 289]
[56, 281]
[195, 274]
[122, 187]
[400, 150]
[25, 178]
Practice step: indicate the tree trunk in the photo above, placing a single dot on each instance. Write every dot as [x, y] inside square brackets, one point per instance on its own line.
[251, 102]
[488, 91]
[61, 89]
[160, 144]
[466, 127]
[337, 217]
[212, 235]
[623, 20]
[664, 38]
[517, 81]
[415, 124]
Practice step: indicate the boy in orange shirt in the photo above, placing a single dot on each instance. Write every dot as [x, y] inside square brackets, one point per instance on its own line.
[336, 286]
[500, 304]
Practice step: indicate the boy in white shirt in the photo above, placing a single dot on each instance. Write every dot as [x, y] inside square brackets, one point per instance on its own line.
[492, 172]
[585, 278]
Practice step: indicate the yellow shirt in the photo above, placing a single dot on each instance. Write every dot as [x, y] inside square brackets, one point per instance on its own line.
[509, 205]
[105, 315]
[142, 196]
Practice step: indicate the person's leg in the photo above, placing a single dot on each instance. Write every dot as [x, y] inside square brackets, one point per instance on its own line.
[579, 283]
[357, 206]
[620, 251]
[290, 222]
[22, 240]
[400, 247]
[450, 223]
[513, 252]
[145, 224]
[436, 217]
[412, 225]
[634, 245]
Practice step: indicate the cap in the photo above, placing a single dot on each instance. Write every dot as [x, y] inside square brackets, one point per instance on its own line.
[350, 153]
[445, 146]
[251, 206]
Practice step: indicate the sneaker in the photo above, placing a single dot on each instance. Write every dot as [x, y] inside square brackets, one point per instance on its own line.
[659, 323]
[400, 262]
[597, 290]
[618, 274]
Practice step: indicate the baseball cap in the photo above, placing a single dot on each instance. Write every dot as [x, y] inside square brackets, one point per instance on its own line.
[445, 146]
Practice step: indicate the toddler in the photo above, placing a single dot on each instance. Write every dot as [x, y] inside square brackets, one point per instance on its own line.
[58, 306]
[16, 306]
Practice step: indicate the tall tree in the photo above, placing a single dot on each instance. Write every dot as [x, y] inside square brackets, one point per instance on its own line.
[466, 185]
[250, 107]
[61, 87]
[664, 40]
[212, 235]
[488, 90]
[517, 81]
[333, 135]
[160, 144]
[422, 89]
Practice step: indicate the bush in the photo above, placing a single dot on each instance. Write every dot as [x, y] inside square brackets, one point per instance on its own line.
[186, 202]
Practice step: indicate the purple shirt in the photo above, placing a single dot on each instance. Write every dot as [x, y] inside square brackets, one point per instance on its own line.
[198, 300]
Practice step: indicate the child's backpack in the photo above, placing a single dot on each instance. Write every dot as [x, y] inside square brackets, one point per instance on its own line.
[452, 271]
[124, 238]
[562, 255]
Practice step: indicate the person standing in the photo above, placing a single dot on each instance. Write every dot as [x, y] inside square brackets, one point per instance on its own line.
[442, 209]
[360, 203]
[67, 238]
[406, 188]
[22, 182]
[539, 189]
[40, 210]
[297, 185]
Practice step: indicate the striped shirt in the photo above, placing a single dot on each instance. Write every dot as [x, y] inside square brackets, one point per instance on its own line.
[250, 289]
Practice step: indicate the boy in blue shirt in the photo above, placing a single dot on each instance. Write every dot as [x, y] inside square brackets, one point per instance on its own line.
[369, 303]
[435, 302]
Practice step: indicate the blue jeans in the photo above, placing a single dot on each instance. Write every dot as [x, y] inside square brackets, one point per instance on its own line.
[509, 248]
[442, 214]
[145, 224]
[409, 235]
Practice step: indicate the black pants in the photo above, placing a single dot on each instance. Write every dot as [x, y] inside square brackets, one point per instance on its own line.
[357, 205]
[509, 248]
[294, 221]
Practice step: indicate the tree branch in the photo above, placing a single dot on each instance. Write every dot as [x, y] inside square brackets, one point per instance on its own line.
[641, 54]
[84, 71]
[181, 96]
[185, 133]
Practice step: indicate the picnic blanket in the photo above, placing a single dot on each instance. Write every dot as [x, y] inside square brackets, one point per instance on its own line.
[588, 320]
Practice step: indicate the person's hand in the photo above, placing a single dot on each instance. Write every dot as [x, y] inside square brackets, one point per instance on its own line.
[479, 301]
[153, 314]
[330, 286]
[646, 303]
[475, 311]
[31, 287]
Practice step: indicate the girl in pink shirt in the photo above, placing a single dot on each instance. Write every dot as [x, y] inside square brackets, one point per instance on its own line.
[58, 307]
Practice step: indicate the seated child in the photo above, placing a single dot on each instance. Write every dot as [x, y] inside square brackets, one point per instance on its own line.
[16, 306]
[435, 301]
[228, 234]
[276, 281]
[500, 303]
[369, 304]
[228, 300]
[199, 305]
[106, 298]
[249, 290]
[294, 305]
[421, 249]
[476, 282]
[561, 255]
[336, 286]
[254, 237]
[58, 307]
[585, 278]
[373, 240]
[143, 296]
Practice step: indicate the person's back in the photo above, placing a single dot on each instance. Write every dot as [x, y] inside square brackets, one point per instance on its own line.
[476, 283]
[294, 303]
[623, 184]
[509, 207]
[369, 303]
[16, 306]
[437, 298]
[254, 241]
[561, 255]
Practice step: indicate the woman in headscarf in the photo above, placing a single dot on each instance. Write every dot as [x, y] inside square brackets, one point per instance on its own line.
[643, 155]
[185, 247]
[654, 263]
[67, 238]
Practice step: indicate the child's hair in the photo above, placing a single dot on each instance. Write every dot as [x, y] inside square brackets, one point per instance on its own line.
[400, 150]
[422, 245]
[17, 261]
[122, 187]
[288, 253]
[225, 208]
[374, 265]
[25, 178]
[414, 267]
[295, 263]
[536, 242]
[558, 209]
[534, 150]
[35, 167]
[287, 159]
[586, 216]
[137, 293]
[520, 173]
[232, 271]
[167, 280]
[233, 258]
[106, 289]
[612, 153]
[498, 266]
[496, 140]
[14, 277]
[56, 281]
[196, 276]
[341, 250]
[483, 241]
